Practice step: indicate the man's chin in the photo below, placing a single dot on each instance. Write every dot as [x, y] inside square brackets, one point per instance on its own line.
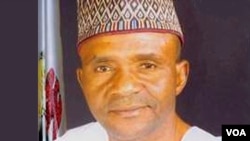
[127, 133]
[130, 124]
[129, 129]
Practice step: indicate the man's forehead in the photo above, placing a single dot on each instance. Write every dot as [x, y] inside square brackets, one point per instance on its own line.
[133, 39]
[133, 46]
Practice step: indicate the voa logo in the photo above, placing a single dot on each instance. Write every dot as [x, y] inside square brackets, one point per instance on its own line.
[236, 132]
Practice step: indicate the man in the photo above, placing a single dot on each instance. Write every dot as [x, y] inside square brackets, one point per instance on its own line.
[131, 72]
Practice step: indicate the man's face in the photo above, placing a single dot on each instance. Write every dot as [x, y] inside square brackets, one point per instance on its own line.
[130, 81]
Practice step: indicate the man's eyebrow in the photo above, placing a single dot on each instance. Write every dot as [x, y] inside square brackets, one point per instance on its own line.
[100, 59]
[150, 56]
[137, 57]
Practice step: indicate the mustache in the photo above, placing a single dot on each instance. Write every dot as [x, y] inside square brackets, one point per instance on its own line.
[120, 102]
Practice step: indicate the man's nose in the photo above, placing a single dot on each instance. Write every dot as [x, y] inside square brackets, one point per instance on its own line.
[126, 83]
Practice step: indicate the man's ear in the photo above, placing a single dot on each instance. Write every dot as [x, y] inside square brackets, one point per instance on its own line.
[79, 74]
[182, 69]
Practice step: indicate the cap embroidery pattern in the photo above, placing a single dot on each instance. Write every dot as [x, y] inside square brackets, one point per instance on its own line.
[104, 16]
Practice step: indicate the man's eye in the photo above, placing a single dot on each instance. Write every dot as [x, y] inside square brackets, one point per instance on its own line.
[148, 66]
[102, 69]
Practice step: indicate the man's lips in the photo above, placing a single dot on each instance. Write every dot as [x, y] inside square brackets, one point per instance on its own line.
[127, 112]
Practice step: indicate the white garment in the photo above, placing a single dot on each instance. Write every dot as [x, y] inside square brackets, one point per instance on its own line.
[95, 132]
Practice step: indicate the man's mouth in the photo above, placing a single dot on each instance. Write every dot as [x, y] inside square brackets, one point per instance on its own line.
[128, 112]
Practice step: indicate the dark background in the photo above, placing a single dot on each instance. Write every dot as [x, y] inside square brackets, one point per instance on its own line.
[217, 43]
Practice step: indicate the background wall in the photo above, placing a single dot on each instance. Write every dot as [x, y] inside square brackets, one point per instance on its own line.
[217, 43]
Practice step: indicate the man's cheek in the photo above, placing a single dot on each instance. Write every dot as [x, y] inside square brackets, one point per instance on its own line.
[155, 87]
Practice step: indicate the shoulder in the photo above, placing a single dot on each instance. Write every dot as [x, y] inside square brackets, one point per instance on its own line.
[89, 132]
[197, 134]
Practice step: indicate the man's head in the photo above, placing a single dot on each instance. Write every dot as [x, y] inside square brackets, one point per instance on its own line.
[131, 76]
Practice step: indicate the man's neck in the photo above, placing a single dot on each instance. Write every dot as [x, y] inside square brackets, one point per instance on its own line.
[181, 129]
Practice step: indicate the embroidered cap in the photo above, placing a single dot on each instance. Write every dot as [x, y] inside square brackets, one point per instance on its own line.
[113, 16]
